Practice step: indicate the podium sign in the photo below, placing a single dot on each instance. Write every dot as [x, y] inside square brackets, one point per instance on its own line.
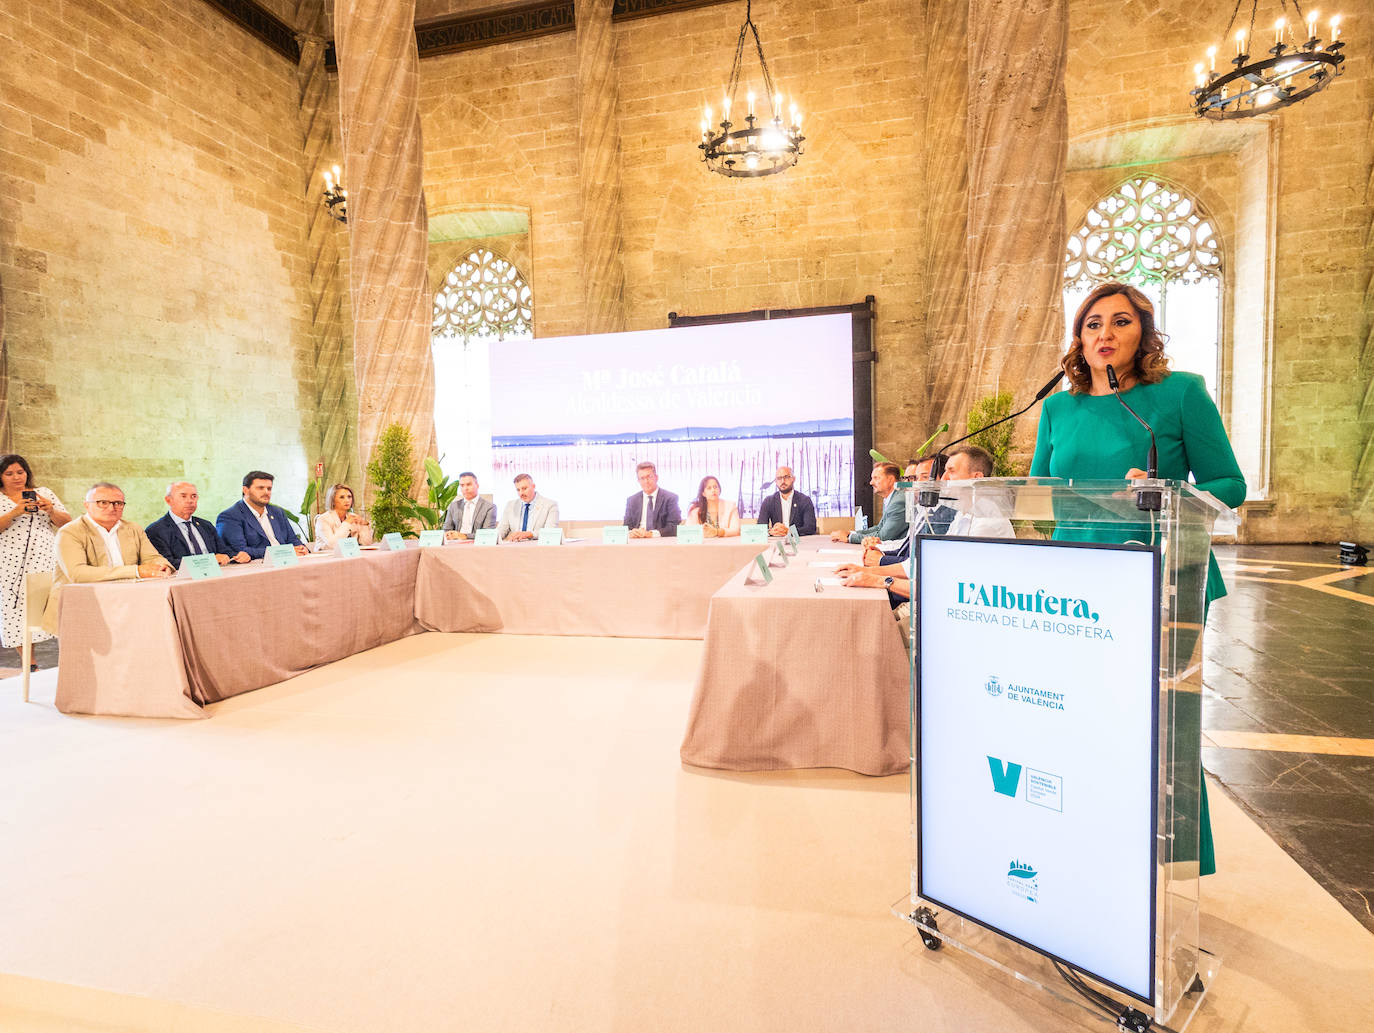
[1036, 744]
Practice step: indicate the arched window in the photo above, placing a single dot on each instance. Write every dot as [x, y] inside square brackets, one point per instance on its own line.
[1157, 238]
[483, 298]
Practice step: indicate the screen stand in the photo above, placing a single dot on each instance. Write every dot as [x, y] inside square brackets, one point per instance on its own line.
[1017, 965]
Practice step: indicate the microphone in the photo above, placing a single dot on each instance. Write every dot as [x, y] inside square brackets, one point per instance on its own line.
[1145, 498]
[932, 498]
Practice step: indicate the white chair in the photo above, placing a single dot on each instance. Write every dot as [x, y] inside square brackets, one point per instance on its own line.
[37, 585]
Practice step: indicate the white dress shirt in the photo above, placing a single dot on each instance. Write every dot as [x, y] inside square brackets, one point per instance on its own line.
[786, 501]
[469, 516]
[111, 540]
[645, 503]
[265, 524]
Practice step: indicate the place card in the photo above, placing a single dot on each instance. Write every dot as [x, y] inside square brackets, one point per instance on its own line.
[691, 535]
[431, 539]
[761, 561]
[792, 536]
[753, 534]
[615, 535]
[348, 548]
[393, 541]
[551, 536]
[200, 566]
[281, 556]
[485, 536]
[783, 553]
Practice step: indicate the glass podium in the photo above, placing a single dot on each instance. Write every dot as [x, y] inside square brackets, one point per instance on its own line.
[1055, 634]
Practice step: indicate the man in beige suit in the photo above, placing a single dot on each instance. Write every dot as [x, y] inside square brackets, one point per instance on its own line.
[101, 547]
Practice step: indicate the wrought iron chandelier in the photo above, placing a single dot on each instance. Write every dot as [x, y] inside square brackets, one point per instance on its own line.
[335, 196]
[1292, 70]
[760, 147]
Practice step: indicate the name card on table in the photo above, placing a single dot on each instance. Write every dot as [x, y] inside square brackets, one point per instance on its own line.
[393, 541]
[348, 548]
[200, 566]
[793, 537]
[783, 553]
[691, 535]
[551, 536]
[617, 535]
[753, 534]
[485, 536]
[280, 556]
[431, 539]
[765, 573]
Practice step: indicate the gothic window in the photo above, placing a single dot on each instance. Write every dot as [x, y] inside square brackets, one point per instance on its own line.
[484, 296]
[483, 299]
[1157, 238]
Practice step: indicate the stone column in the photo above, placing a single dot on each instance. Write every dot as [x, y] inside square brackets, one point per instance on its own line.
[598, 166]
[1017, 152]
[1362, 500]
[335, 404]
[388, 227]
[6, 427]
[945, 219]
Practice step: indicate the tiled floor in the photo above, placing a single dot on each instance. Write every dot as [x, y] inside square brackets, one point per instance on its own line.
[1290, 652]
[1289, 669]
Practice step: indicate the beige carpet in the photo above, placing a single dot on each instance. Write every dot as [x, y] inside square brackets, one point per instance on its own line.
[462, 832]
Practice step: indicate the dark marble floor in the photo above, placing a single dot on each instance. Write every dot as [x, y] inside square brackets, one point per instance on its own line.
[1289, 656]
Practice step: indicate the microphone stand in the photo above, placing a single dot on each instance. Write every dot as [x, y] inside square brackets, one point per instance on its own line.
[930, 497]
[1147, 500]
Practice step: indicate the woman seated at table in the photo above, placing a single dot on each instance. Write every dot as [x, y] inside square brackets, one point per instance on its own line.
[338, 522]
[718, 518]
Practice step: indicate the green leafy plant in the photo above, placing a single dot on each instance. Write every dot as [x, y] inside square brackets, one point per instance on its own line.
[389, 471]
[307, 512]
[997, 441]
[442, 492]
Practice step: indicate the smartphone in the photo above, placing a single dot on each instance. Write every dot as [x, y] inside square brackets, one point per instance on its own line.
[30, 498]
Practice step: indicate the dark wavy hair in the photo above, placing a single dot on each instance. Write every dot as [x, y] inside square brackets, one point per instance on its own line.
[7, 461]
[1150, 366]
[702, 511]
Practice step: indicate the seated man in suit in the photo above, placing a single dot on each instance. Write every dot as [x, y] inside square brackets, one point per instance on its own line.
[651, 512]
[179, 533]
[101, 546]
[893, 522]
[787, 507]
[468, 512]
[252, 523]
[525, 517]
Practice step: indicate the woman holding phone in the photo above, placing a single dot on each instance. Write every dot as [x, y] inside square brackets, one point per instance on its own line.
[29, 519]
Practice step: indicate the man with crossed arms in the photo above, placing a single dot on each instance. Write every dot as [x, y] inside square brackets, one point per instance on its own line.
[525, 517]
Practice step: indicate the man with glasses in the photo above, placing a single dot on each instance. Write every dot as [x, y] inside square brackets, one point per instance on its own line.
[101, 546]
[787, 507]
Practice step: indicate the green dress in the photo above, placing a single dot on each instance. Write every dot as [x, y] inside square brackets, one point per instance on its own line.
[1093, 437]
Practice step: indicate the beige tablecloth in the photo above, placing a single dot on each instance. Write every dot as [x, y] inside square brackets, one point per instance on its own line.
[649, 588]
[795, 678]
[239, 633]
[160, 648]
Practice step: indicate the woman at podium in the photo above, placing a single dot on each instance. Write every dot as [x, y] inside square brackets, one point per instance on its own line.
[1087, 433]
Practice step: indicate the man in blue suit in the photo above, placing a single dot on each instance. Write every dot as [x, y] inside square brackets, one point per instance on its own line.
[180, 533]
[252, 523]
[893, 523]
[652, 512]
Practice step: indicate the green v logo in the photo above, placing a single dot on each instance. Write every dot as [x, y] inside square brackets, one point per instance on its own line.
[1005, 776]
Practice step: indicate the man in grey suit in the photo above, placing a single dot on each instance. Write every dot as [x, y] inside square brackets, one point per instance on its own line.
[468, 512]
[893, 523]
[525, 517]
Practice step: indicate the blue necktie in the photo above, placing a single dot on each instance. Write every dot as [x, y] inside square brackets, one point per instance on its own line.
[191, 539]
[525, 520]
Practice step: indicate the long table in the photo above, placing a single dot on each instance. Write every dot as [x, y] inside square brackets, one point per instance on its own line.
[792, 677]
[165, 648]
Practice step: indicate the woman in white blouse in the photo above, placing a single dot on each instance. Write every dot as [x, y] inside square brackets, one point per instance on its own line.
[338, 522]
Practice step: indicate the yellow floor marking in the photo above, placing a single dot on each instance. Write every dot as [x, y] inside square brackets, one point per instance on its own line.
[1328, 744]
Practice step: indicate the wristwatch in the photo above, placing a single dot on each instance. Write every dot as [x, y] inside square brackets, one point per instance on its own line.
[888, 582]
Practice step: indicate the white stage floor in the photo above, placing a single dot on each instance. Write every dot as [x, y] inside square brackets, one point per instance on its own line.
[468, 832]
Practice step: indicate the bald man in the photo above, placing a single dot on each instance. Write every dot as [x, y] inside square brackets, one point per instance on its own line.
[181, 533]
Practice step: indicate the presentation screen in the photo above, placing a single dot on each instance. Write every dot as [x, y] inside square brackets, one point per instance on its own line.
[1036, 732]
[732, 400]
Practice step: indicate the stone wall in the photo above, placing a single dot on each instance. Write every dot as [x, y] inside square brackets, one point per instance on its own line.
[152, 251]
[1130, 69]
